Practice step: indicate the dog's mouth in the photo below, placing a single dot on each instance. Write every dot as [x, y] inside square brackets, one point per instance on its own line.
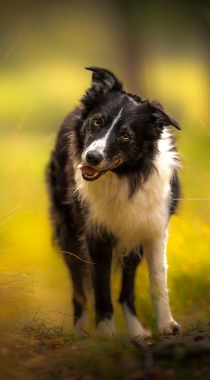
[91, 174]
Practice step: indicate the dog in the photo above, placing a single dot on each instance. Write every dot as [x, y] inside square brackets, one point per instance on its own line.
[113, 180]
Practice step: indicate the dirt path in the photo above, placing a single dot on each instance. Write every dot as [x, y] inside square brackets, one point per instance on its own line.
[33, 356]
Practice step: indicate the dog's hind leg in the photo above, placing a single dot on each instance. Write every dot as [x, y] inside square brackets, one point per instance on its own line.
[79, 278]
[100, 250]
[73, 252]
[126, 299]
[68, 234]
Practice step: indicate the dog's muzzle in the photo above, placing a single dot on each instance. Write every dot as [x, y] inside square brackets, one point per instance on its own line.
[90, 173]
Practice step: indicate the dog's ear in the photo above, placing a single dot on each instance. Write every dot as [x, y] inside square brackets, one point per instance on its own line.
[104, 80]
[155, 119]
[162, 119]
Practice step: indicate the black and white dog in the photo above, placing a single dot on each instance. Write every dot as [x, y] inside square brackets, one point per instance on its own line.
[113, 184]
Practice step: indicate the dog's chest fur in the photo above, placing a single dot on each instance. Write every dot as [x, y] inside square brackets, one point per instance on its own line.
[131, 220]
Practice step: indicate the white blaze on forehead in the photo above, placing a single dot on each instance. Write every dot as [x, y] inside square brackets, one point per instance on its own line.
[100, 144]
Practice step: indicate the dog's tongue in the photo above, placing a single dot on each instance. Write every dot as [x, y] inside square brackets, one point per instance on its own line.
[87, 169]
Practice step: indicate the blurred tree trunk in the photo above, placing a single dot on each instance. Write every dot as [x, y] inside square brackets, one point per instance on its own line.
[132, 52]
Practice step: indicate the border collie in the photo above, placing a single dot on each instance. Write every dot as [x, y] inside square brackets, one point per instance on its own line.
[113, 186]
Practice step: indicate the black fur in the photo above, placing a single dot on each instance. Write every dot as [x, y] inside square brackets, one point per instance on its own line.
[130, 264]
[143, 122]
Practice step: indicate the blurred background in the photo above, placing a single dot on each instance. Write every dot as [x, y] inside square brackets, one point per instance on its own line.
[160, 50]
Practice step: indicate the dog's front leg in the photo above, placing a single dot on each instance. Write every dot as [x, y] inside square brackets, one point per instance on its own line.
[129, 266]
[155, 253]
[100, 250]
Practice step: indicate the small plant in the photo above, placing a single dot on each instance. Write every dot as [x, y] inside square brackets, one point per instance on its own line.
[43, 327]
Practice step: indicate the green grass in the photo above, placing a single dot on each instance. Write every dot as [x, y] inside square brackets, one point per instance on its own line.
[40, 348]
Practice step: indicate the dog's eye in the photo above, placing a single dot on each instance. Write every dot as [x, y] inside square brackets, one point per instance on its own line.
[125, 136]
[97, 122]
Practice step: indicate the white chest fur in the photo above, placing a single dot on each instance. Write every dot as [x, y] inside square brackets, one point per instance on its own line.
[134, 220]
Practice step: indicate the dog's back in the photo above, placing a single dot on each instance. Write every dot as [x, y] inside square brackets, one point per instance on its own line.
[113, 184]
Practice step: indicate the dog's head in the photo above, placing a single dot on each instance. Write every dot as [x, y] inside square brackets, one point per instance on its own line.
[119, 131]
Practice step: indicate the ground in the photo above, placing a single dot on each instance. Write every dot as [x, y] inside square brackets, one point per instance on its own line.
[47, 352]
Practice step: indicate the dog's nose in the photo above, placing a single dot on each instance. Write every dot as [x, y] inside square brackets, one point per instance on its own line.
[94, 158]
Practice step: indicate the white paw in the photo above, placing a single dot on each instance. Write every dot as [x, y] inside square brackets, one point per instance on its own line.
[172, 327]
[81, 324]
[80, 332]
[134, 327]
[137, 330]
[106, 328]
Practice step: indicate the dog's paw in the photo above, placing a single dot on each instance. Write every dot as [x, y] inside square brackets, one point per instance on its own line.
[80, 323]
[141, 333]
[170, 328]
[80, 332]
[136, 330]
[106, 327]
